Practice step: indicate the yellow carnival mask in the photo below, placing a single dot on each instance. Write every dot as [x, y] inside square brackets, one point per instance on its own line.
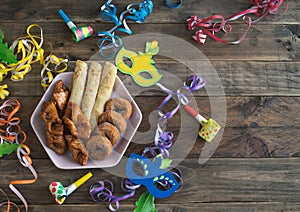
[140, 63]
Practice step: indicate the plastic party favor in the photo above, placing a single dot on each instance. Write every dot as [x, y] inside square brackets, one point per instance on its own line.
[210, 127]
[80, 33]
[60, 193]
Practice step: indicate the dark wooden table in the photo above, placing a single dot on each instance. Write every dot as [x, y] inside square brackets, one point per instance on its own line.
[256, 166]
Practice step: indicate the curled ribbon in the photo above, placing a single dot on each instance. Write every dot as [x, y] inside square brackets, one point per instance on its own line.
[102, 191]
[10, 128]
[23, 153]
[135, 12]
[3, 92]
[193, 83]
[29, 50]
[217, 23]
[11, 132]
[60, 65]
[176, 5]
[213, 24]
[265, 7]
[8, 202]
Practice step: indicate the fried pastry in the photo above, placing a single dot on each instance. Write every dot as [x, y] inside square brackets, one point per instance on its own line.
[90, 93]
[56, 142]
[76, 121]
[108, 78]
[54, 127]
[61, 96]
[79, 82]
[77, 149]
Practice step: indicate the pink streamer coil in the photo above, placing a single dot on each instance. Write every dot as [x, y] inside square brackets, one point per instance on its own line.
[217, 23]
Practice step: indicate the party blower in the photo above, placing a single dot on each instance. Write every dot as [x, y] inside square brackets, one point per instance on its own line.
[60, 193]
[80, 33]
[210, 127]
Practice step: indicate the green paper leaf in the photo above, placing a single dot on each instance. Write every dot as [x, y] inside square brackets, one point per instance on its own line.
[7, 148]
[6, 54]
[145, 203]
[165, 162]
[152, 48]
[1, 35]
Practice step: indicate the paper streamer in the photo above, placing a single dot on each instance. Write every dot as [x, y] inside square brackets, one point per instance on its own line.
[3, 92]
[10, 129]
[102, 191]
[23, 153]
[59, 65]
[175, 5]
[135, 12]
[8, 202]
[29, 50]
[208, 27]
[12, 132]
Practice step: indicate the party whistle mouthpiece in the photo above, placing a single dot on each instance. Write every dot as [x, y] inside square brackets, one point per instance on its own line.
[60, 193]
[210, 127]
[79, 33]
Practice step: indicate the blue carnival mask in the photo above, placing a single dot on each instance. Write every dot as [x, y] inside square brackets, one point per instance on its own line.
[151, 175]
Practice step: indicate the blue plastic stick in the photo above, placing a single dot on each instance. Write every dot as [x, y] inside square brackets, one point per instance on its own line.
[66, 19]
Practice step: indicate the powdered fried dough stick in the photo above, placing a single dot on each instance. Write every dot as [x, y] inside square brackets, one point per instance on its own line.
[108, 78]
[90, 93]
[79, 81]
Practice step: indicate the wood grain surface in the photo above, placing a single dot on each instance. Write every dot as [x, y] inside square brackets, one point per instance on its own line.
[256, 166]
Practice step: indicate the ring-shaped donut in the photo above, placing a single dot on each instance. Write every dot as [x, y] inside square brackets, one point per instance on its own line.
[99, 147]
[119, 105]
[114, 118]
[109, 131]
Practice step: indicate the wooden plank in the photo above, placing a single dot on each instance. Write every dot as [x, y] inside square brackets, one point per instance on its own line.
[244, 206]
[248, 78]
[236, 142]
[237, 78]
[219, 180]
[242, 112]
[272, 43]
[81, 11]
[255, 126]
